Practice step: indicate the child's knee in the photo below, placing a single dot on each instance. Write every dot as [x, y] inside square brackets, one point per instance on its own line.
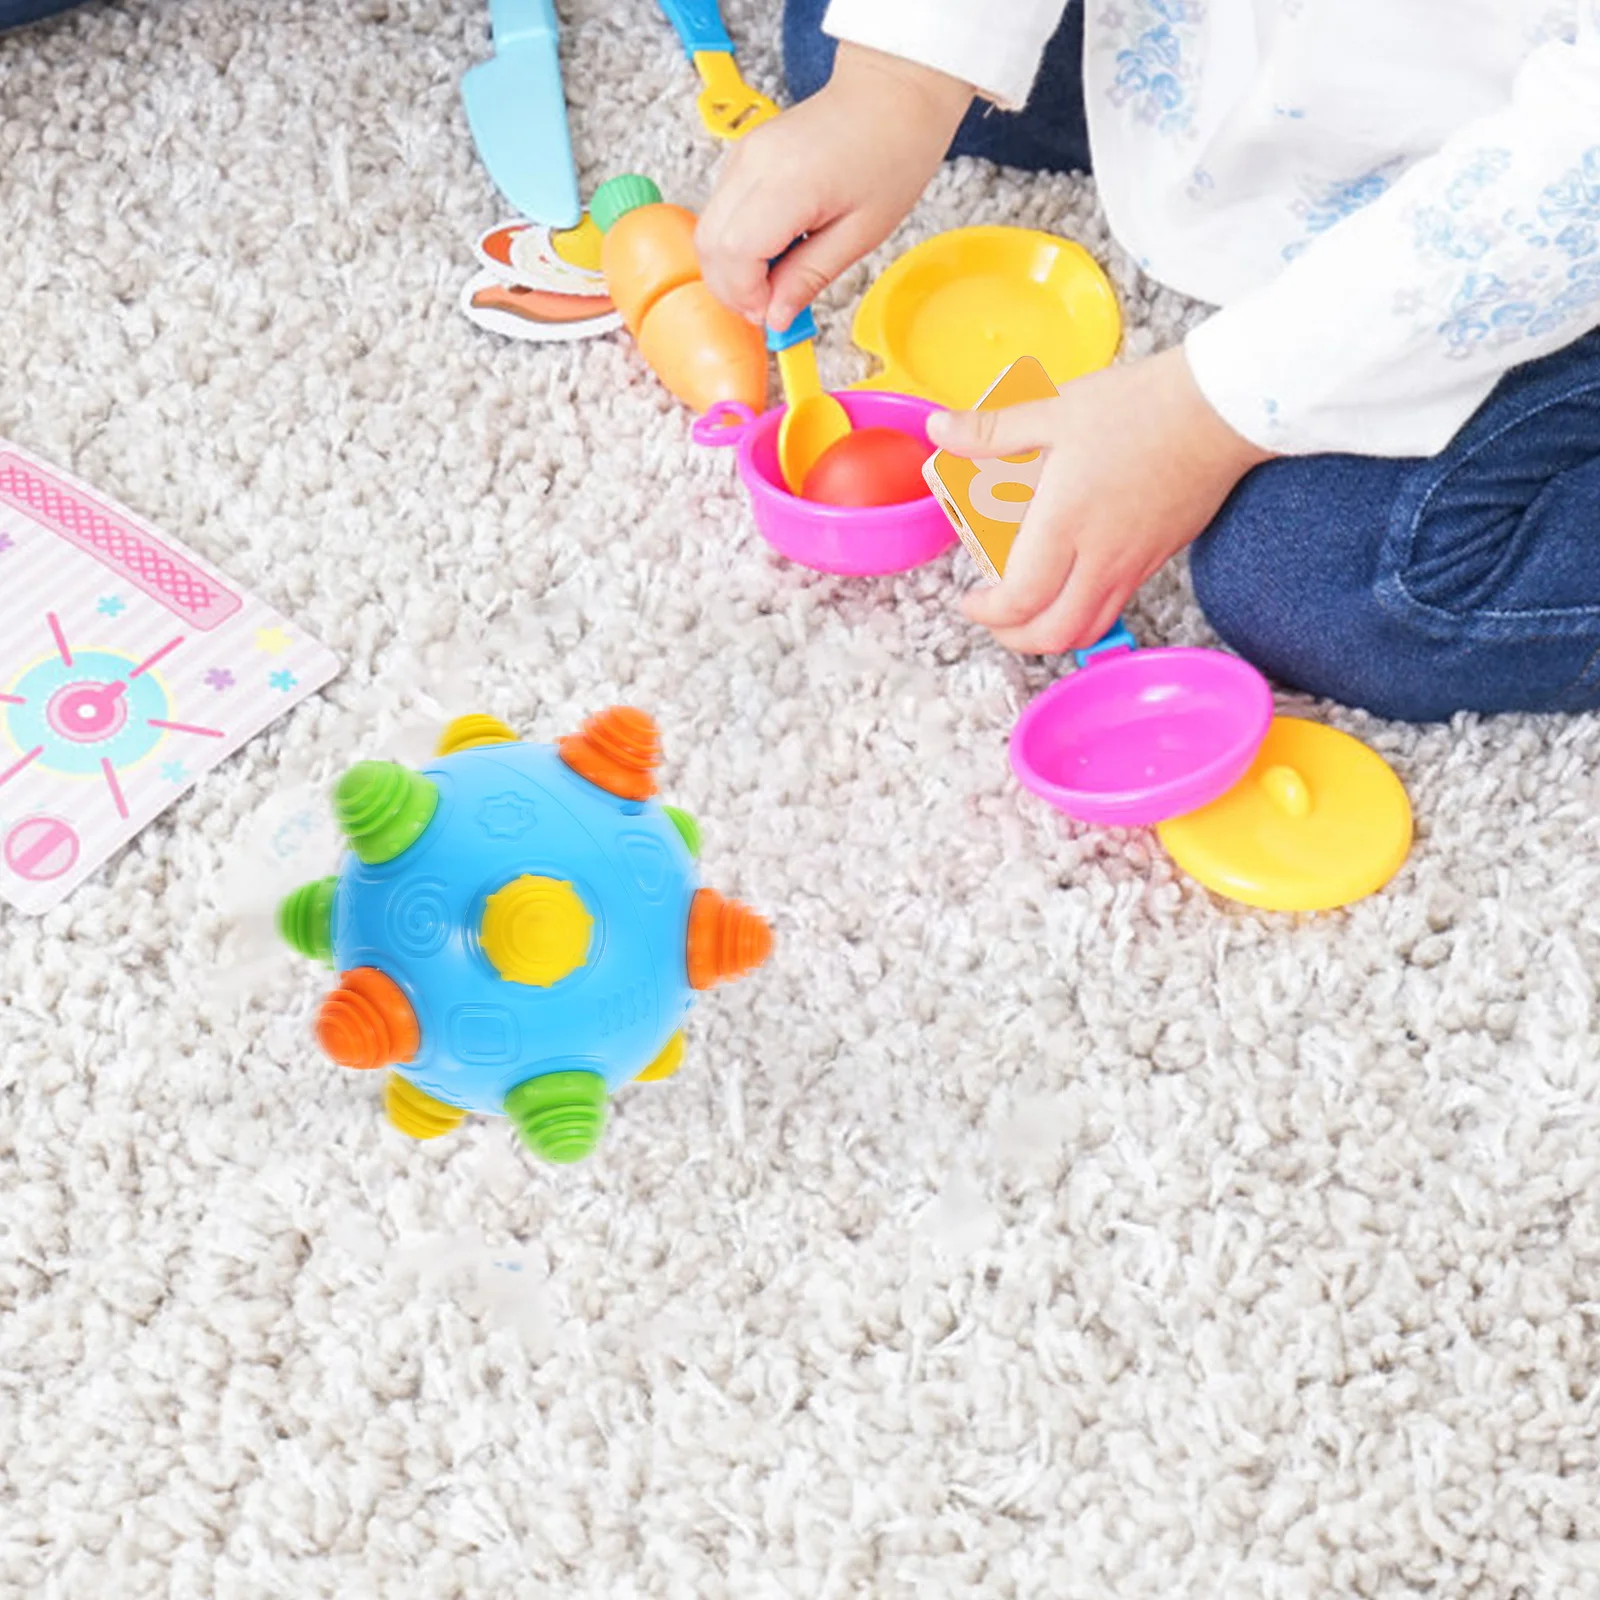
[1303, 574]
[1248, 569]
[1285, 576]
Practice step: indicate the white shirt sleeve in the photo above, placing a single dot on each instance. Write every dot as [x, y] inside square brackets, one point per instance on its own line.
[1390, 329]
[995, 45]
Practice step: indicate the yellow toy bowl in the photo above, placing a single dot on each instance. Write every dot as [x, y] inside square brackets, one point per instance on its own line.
[964, 305]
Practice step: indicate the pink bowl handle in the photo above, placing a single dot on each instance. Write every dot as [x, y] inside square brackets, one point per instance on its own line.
[726, 423]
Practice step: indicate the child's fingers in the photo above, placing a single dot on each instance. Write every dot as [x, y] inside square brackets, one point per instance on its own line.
[735, 270]
[1039, 564]
[741, 229]
[808, 267]
[741, 285]
[1079, 616]
[1025, 592]
[1009, 431]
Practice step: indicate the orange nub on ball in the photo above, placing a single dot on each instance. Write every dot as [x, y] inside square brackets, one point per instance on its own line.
[367, 1022]
[618, 751]
[726, 940]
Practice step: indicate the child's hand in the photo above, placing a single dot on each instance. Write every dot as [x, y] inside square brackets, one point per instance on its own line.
[1136, 465]
[843, 167]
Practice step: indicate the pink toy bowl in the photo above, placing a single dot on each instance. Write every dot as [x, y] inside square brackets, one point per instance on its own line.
[862, 541]
[1137, 736]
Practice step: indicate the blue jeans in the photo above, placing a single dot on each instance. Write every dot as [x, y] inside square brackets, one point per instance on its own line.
[1465, 581]
[13, 13]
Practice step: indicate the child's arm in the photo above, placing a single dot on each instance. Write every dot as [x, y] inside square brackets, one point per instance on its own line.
[1389, 330]
[1381, 338]
[845, 166]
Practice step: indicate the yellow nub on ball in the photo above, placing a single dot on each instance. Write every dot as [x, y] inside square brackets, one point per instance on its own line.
[665, 1064]
[536, 931]
[472, 732]
[415, 1112]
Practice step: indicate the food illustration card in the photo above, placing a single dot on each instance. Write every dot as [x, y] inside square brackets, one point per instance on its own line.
[986, 500]
[129, 667]
[540, 285]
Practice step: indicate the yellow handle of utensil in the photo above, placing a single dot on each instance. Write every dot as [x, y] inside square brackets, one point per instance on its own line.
[729, 107]
[797, 367]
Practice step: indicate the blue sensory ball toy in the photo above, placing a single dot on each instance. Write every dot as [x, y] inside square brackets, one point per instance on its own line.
[518, 929]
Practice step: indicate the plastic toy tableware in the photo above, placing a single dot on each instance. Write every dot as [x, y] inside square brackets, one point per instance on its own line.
[959, 307]
[728, 106]
[1273, 812]
[518, 929]
[1319, 820]
[517, 111]
[860, 542]
[812, 419]
[1137, 736]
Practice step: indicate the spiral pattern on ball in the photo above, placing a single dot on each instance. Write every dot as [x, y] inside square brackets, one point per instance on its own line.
[419, 917]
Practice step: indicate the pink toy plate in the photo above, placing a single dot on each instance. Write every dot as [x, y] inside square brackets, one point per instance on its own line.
[1137, 736]
[859, 541]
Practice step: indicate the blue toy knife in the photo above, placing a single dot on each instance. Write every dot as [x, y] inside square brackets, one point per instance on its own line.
[517, 110]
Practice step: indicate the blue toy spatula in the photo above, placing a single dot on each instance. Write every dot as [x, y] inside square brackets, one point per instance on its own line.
[517, 111]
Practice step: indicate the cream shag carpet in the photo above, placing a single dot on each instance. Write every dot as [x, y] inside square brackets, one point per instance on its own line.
[1035, 1226]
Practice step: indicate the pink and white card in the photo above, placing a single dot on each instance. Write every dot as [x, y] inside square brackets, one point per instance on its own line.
[129, 667]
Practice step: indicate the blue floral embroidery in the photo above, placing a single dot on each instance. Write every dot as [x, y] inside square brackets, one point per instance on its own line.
[1436, 232]
[1489, 310]
[1571, 207]
[1156, 76]
[1443, 231]
[1322, 205]
[1557, 23]
[1477, 172]
[1486, 309]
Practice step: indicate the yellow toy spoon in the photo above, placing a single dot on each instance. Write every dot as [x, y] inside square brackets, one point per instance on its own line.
[814, 420]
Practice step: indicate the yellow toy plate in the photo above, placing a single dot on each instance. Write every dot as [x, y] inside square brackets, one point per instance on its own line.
[1318, 821]
[962, 306]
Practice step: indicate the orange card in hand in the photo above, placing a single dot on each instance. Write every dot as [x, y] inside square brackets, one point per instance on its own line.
[986, 499]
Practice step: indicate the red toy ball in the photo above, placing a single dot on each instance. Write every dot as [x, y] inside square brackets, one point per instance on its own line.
[868, 467]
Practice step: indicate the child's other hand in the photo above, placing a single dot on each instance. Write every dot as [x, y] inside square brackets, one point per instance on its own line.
[843, 167]
[1136, 465]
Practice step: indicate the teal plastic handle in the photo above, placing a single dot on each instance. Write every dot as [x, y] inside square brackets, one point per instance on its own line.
[804, 326]
[1116, 639]
[522, 19]
[698, 24]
